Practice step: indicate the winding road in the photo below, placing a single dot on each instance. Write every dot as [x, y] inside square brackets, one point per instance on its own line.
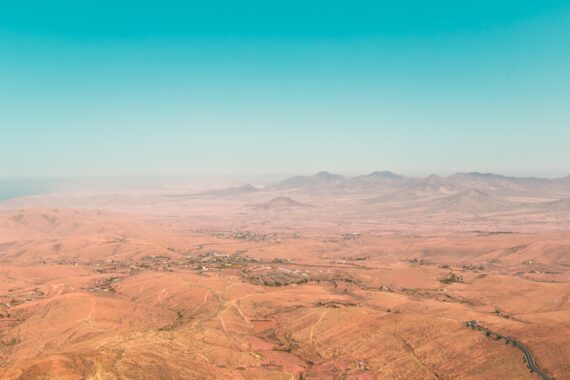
[531, 363]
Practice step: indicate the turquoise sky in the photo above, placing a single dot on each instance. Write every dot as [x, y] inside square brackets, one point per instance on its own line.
[137, 88]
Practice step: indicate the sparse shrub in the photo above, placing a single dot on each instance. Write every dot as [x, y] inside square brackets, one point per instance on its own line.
[12, 342]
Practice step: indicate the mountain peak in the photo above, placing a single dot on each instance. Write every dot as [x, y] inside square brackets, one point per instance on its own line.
[282, 203]
[327, 175]
[470, 200]
[385, 174]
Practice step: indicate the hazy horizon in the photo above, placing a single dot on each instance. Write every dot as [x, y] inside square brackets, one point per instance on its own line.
[13, 187]
[209, 178]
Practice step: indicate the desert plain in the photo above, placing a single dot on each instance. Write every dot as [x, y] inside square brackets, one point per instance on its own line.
[314, 277]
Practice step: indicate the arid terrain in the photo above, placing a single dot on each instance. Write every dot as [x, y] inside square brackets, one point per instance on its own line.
[314, 277]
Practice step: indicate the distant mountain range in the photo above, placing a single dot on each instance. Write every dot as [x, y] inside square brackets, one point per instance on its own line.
[487, 182]
[318, 180]
[460, 192]
[330, 181]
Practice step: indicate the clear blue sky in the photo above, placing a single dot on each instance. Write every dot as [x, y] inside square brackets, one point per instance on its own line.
[134, 88]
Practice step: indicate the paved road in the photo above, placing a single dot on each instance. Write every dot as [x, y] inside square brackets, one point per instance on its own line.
[531, 363]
